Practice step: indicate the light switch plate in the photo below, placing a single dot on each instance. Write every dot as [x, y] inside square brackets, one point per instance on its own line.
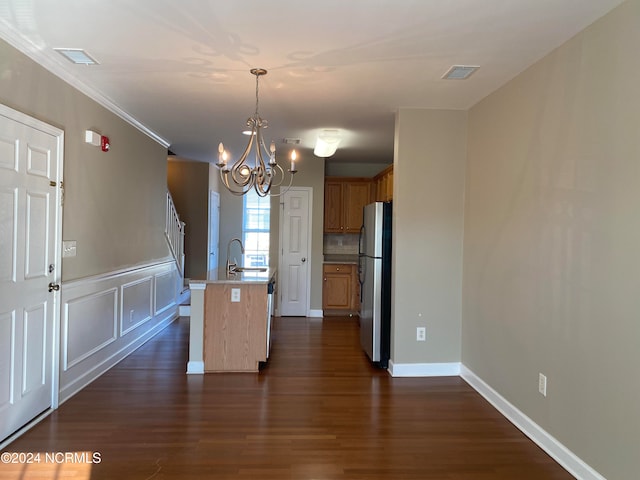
[69, 248]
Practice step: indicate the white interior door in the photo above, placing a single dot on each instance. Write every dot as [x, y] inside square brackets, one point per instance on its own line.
[214, 230]
[294, 276]
[30, 176]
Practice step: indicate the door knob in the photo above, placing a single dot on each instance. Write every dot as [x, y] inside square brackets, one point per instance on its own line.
[303, 259]
[54, 286]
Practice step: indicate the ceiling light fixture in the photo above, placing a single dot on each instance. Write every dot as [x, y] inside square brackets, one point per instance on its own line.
[260, 175]
[327, 143]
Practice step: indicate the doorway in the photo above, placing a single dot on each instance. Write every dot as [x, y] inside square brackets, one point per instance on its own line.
[214, 231]
[294, 275]
[30, 238]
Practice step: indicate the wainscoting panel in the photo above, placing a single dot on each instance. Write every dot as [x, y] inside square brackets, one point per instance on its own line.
[88, 325]
[106, 317]
[137, 298]
[167, 290]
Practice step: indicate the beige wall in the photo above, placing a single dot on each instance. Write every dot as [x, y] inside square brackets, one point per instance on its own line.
[189, 186]
[310, 174]
[114, 203]
[428, 192]
[552, 236]
[355, 169]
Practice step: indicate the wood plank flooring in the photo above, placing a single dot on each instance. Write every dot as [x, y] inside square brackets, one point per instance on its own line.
[318, 410]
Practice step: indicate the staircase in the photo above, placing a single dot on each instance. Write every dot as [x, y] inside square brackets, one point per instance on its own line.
[174, 232]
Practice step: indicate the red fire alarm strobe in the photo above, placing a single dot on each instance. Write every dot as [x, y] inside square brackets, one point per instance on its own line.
[104, 143]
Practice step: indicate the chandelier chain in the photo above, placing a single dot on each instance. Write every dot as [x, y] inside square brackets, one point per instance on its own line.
[257, 96]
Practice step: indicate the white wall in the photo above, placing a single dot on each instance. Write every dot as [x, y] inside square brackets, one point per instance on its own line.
[552, 236]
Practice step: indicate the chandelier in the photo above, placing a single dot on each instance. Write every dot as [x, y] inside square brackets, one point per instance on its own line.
[247, 173]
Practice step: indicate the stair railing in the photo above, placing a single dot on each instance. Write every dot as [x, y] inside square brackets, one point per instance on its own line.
[174, 231]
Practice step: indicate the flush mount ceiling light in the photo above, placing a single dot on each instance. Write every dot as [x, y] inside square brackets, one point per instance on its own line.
[460, 72]
[258, 174]
[327, 143]
[77, 56]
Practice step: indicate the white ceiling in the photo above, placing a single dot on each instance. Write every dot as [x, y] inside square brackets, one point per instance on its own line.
[181, 68]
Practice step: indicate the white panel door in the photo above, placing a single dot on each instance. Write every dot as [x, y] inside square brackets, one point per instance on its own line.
[214, 230]
[294, 264]
[29, 216]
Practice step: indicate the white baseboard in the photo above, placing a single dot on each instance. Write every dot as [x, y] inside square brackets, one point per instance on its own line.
[184, 310]
[315, 314]
[561, 454]
[25, 428]
[195, 368]
[424, 369]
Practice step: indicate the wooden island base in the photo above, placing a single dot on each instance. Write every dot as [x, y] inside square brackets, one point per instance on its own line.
[234, 332]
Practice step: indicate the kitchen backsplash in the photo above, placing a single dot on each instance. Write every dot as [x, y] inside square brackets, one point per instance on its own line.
[338, 244]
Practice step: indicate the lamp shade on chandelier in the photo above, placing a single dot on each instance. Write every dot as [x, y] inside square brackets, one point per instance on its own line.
[251, 170]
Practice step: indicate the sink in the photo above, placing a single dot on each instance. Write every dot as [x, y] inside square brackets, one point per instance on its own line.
[249, 269]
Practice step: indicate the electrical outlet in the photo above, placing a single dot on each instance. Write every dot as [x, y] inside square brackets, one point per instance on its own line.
[235, 295]
[421, 334]
[542, 384]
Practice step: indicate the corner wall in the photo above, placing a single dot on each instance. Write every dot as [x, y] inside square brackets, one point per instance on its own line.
[189, 186]
[428, 199]
[552, 230]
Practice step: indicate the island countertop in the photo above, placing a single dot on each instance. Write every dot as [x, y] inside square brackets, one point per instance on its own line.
[249, 277]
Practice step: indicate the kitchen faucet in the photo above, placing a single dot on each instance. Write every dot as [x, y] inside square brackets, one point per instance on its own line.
[232, 266]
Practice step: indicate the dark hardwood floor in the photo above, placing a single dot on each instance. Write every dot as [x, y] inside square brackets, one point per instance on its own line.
[318, 410]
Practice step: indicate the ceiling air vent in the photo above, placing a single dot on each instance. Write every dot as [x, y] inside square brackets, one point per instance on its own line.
[77, 56]
[460, 72]
[291, 141]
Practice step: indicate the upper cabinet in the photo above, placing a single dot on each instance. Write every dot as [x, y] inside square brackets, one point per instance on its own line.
[383, 184]
[343, 202]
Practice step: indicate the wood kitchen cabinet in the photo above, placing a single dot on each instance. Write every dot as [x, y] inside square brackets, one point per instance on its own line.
[340, 289]
[343, 202]
[383, 184]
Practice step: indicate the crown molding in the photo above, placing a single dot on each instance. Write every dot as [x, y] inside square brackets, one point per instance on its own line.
[36, 53]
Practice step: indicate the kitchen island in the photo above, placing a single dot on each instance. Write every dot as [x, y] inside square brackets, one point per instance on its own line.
[230, 329]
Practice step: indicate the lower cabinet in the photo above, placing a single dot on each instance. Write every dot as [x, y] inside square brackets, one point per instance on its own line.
[340, 289]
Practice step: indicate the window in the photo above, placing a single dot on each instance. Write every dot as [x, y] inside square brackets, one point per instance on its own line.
[255, 229]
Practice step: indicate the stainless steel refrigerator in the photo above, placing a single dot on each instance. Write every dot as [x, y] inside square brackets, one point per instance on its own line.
[374, 269]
